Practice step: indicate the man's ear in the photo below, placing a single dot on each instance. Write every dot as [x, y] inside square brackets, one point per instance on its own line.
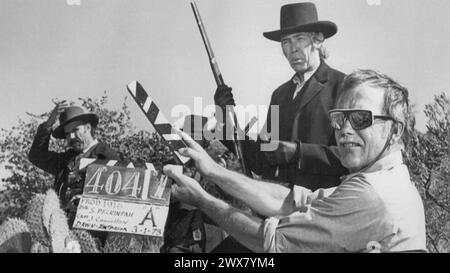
[397, 130]
[318, 39]
[88, 127]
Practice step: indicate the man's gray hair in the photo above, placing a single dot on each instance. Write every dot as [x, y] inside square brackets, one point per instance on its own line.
[396, 102]
[323, 52]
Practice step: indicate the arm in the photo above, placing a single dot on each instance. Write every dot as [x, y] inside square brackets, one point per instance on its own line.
[39, 154]
[265, 198]
[247, 229]
[242, 226]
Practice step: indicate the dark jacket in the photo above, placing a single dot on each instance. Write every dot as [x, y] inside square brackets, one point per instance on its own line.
[305, 119]
[61, 164]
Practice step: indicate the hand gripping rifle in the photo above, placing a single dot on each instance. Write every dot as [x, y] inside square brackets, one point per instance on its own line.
[231, 115]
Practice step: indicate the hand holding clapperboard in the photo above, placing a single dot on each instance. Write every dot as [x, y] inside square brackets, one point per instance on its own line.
[124, 198]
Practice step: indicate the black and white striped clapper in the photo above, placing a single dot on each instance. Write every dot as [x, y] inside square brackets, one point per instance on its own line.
[157, 119]
[84, 162]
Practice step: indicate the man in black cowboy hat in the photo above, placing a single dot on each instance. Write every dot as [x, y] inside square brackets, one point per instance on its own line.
[77, 127]
[306, 154]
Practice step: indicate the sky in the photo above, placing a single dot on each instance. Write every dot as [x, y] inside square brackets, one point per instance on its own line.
[63, 49]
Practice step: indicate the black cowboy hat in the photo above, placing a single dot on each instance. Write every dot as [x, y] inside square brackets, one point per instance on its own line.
[71, 114]
[300, 17]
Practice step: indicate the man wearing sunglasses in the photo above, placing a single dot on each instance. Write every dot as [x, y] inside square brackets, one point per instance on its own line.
[376, 208]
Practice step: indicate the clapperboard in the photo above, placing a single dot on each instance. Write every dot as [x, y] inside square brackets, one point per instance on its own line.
[123, 198]
[157, 119]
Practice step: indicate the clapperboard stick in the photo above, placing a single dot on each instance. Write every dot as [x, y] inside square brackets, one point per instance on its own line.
[157, 119]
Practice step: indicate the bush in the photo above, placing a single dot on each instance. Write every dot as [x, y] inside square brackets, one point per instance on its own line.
[115, 128]
[429, 165]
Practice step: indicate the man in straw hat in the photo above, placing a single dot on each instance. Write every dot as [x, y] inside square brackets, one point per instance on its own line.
[77, 127]
[306, 152]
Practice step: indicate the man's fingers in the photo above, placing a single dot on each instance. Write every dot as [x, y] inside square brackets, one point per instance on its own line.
[59, 105]
[58, 102]
[62, 106]
[187, 139]
[189, 153]
[174, 190]
[173, 171]
[265, 138]
[169, 169]
[61, 109]
[181, 180]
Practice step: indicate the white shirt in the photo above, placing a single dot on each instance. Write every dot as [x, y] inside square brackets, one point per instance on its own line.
[381, 208]
[93, 143]
[298, 81]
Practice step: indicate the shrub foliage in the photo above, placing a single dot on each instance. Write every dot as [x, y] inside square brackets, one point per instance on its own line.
[428, 159]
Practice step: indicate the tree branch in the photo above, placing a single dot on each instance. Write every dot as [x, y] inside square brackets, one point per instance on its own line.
[430, 239]
[436, 201]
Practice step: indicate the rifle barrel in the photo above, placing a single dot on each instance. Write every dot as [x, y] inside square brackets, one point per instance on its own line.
[212, 58]
[219, 81]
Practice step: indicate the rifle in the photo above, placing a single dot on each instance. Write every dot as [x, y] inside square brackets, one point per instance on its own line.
[231, 115]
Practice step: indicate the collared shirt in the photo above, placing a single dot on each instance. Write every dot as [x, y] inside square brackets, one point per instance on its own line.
[93, 143]
[381, 208]
[300, 82]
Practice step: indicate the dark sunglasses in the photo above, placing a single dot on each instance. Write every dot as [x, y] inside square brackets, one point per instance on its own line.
[359, 119]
